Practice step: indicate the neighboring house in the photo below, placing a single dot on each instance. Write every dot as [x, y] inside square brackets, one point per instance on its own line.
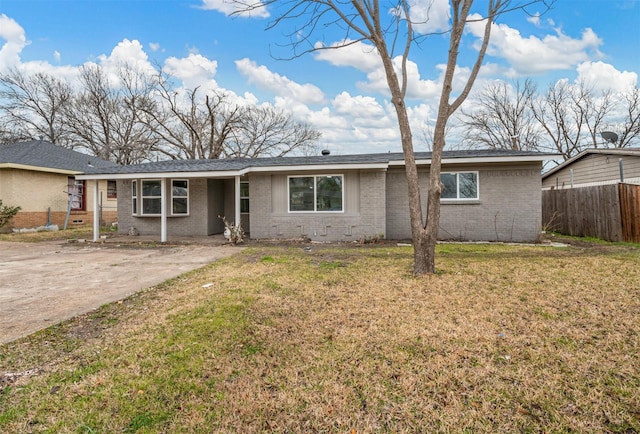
[488, 195]
[595, 167]
[41, 177]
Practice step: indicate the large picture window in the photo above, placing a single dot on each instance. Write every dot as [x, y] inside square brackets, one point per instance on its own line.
[459, 185]
[179, 196]
[316, 193]
[151, 199]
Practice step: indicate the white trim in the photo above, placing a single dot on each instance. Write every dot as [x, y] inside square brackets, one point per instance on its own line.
[163, 210]
[315, 194]
[96, 213]
[237, 201]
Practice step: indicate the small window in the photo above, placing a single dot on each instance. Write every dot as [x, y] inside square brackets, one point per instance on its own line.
[112, 189]
[244, 197]
[151, 198]
[134, 197]
[460, 186]
[316, 193]
[179, 197]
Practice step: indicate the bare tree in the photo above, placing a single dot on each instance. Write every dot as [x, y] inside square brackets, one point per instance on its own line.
[629, 127]
[105, 117]
[268, 131]
[389, 29]
[188, 126]
[503, 117]
[34, 106]
[571, 116]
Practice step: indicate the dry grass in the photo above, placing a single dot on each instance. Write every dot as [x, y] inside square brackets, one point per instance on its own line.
[35, 237]
[335, 339]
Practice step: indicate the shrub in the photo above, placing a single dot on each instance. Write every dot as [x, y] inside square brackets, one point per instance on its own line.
[7, 213]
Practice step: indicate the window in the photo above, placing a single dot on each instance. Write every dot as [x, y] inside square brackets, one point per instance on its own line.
[244, 197]
[315, 193]
[75, 190]
[460, 185]
[151, 200]
[179, 196]
[134, 197]
[112, 189]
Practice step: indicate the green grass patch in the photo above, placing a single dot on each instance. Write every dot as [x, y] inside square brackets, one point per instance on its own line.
[341, 338]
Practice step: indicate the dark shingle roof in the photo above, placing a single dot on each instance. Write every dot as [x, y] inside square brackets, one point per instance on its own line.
[236, 164]
[43, 154]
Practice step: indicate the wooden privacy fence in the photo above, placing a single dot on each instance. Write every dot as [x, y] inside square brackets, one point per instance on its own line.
[609, 212]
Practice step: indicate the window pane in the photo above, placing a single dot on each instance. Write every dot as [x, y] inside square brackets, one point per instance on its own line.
[244, 189]
[244, 205]
[134, 206]
[134, 188]
[329, 193]
[180, 188]
[151, 206]
[468, 185]
[151, 188]
[180, 205]
[112, 190]
[450, 190]
[301, 194]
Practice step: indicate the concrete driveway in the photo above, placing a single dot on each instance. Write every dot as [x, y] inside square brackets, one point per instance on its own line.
[42, 284]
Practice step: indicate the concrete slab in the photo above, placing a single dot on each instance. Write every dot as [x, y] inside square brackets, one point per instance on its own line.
[44, 283]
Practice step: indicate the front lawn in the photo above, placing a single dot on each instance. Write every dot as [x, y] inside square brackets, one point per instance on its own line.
[344, 339]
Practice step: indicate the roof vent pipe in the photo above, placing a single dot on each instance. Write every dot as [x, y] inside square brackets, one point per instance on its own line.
[325, 152]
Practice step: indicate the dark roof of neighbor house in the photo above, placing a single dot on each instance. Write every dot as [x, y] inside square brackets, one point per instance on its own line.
[240, 164]
[633, 152]
[39, 153]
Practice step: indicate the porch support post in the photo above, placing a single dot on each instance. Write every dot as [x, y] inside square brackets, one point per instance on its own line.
[163, 210]
[96, 210]
[237, 201]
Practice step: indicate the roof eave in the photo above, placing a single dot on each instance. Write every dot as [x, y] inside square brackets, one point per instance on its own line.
[38, 168]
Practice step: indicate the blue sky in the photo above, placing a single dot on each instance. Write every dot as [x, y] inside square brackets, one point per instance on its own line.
[339, 92]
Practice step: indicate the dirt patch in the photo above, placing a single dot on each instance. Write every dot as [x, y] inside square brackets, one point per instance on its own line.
[42, 284]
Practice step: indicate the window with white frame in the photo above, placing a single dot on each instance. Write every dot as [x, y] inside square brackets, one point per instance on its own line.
[179, 197]
[151, 196]
[244, 197]
[134, 197]
[319, 193]
[459, 185]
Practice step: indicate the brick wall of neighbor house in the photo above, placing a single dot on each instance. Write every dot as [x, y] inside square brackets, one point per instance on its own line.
[509, 208]
[195, 224]
[363, 216]
[43, 199]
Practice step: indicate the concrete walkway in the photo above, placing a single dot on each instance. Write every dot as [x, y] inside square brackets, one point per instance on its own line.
[48, 282]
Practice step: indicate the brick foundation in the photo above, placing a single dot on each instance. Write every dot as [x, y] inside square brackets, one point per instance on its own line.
[25, 219]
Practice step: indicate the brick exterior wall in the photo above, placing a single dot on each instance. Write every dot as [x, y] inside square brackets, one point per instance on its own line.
[363, 216]
[194, 224]
[77, 218]
[42, 195]
[509, 206]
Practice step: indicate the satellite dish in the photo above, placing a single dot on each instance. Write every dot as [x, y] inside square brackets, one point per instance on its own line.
[609, 136]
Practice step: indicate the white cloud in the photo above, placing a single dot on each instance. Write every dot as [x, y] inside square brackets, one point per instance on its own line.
[537, 55]
[258, 9]
[194, 70]
[430, 16]
[154, 46]
[15, 41]
[280, 85]
[603, 76]
[57, 56]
